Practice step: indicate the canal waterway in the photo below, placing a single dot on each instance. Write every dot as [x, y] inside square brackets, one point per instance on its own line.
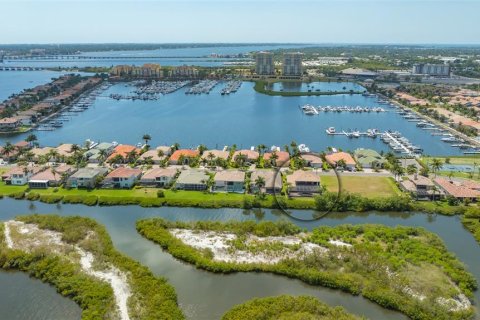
[245, 118]
[205, 296]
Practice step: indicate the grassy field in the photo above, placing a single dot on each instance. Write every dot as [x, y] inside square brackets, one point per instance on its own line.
[455, 160]
[365, 186]
[463, 175]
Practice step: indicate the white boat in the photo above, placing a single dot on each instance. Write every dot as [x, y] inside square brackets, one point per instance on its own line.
[331, 130]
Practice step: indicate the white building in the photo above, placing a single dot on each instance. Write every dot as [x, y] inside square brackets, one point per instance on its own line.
[431, 69]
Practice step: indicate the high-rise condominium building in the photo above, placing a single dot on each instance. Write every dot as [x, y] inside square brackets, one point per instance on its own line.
[292, 64]
[264, 63]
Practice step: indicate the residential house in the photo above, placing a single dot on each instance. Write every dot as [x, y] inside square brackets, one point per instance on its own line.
[151, 155]
[100, 152]
[123, 150]
[312, 160]
[336, 157]
[422, 188]
[250, 155]
[19, 176]
[283, 158]
[158, 177]
[50, 177]
[273, 181]
[192, 179]
[302, 182]
[229, 181]
[369, 159]
[9, 124]
[123, 177]
[215, 154]
[86, 177]
[65, 150]
[460, 189]
[41, 152]
[183, 156]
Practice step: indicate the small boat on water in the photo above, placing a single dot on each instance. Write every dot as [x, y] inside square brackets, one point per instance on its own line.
[331, 130]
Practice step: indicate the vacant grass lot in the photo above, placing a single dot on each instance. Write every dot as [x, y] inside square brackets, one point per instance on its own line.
[365, 186]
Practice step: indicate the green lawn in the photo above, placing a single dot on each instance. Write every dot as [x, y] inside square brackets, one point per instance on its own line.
[464, 175]
[363, 185]
[470, 159]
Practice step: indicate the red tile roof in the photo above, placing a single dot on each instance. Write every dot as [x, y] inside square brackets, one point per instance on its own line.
[186, 153]
[337, 156]
[123, 150]
[457, 188]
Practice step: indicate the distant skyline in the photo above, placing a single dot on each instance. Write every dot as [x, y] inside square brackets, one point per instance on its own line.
[321, 21]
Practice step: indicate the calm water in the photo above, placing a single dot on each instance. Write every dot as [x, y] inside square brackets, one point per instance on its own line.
[315, 86]
[24, 298]
[207, 296]
[245, 118]
[190, 56]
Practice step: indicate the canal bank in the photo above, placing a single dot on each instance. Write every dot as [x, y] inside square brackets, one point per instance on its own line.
[229, 290]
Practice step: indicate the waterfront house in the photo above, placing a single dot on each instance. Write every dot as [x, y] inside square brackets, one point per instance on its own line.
[86, 177]
[100, 152]
[229, 181]
[8, 156]
[302, 182]
[422, 188]
[212, 155]
[9, 124]
[19, 176]
[312, 160]
[165, 150]
[65, 149]
[158, 177]
[50, 177]
[283, 158]
[369, 159]
[151, 155]
[459, 188]
[192, 179]
[41, 152]
[183, 156]
[123, 177]
[250, 155]
[123, 151]
[273, 181]
[22, 145]
[334, 158]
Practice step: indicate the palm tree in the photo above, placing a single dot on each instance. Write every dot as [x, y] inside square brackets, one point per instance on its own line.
[53, 154]
[210, 158]
[175, 147]
[160, 153]
[131, 156]
[286, 148]
[397, 171]
[274, 158]
[74, 148]
[259, 183]
[412, 169]
[8, 149]
[436, 165]
[31, 139]
[146, 137]
[116, 159]
[240, 160]
[102, 155]
[202, 148]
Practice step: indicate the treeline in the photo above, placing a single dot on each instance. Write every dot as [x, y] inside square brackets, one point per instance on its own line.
[152, 297]
[286, 307]
[363, 270]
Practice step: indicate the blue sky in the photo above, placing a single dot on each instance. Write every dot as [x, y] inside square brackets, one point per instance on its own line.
[320, 21]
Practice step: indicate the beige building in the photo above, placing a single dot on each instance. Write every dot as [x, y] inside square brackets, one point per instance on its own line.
[292, 64]
[264, 64]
